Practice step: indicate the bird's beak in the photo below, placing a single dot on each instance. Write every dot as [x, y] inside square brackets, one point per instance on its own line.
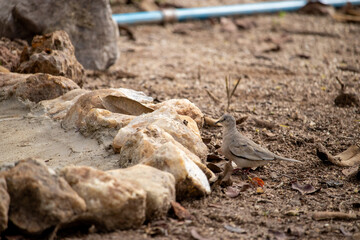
[218, 121]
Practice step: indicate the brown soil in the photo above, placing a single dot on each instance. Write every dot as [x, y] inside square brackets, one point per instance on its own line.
[288, 67]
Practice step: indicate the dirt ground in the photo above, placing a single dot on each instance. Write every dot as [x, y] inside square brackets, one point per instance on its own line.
[288, 65]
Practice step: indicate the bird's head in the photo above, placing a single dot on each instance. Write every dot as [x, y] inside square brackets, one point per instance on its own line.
[226, 121]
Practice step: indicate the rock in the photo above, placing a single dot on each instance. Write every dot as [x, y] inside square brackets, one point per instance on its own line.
[57, 108]
[159, 187]
[54, 54]
[88, 23]
[10, 52]
[111, 204]
[103, 125]
[171, 123]
[34, 87]
[3, 69]
[39, 198]
[148, 140]
[190, 180]
[183, 107]
[4, 204]
[79, 115]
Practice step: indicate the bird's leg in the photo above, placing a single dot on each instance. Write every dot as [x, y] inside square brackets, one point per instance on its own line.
[246, 171]
[236, 170]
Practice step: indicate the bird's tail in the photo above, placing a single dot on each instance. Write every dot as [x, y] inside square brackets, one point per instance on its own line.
[288, 159]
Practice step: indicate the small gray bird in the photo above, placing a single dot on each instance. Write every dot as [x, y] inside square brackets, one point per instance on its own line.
[244, 152]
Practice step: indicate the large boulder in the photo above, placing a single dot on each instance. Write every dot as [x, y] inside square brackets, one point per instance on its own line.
[88, 23]
[4, 204]
[181, 128]
[111, 204]
[54, 54]
[162, 140]
[39, 198]
[34, 87]
[10, 52]
[159, 187]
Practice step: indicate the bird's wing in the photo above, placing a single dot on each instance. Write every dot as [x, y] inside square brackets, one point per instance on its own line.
[250, 151]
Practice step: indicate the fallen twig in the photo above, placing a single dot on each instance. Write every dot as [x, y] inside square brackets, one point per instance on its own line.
[349, 68]
[213, 97]
[345, 17]
[307, 32]
[273, 67]
[230, 93]
[333, 215]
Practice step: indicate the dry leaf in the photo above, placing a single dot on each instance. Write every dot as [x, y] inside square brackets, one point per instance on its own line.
[278, 235]
[232, 192]
[264, 124]
[350, 157]
[211, 122]
[197, 236]
[334, 184]
[259, 190]
[180, 212]
[333, 215]
[258, 181]
[345, 232]
[243, 186]
[294, 212]
[234, 229]
[350, 172]
[241, 120]
[303, 188]
[124, 105]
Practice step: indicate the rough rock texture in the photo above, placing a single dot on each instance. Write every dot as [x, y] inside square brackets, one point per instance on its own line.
[54, 54]
[34, 87]
[111, 204]
[183, 107]
[57, 108]
[39, 198]
[82, 112]
[159, 187]
[172, 123]
[148, 139]
[4, 204]
[88, 23]
[10, 52]
[190, 179]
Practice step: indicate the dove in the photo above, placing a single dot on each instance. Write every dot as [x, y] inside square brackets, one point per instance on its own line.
[241, 150]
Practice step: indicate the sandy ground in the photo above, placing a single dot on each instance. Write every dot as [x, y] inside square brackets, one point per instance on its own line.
[25, 134]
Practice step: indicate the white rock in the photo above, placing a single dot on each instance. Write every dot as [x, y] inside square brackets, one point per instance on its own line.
[151, 145]
[171, 123]
[159, 187]
[183, 107]
[111, 204]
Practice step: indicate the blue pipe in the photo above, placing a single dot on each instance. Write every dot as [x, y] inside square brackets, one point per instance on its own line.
[182, 14]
